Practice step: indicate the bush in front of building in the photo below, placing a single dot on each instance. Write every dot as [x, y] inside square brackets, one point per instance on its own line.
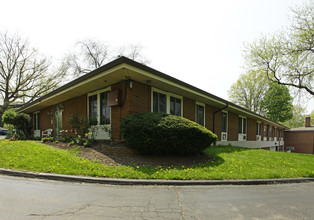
[157, 134]
[20, 123]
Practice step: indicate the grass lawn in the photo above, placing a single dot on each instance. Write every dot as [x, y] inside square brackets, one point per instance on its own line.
[228, 163]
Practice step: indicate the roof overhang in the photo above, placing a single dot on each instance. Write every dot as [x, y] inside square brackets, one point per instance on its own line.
[124, 68]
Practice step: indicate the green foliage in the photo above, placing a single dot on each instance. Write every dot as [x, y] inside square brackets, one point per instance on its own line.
[47, 139]
[8, 116]
[20, 121]
[287, 56]
[278, 103]
[155, 133]
[297, 119]
[226, 162]
[79, 124]
[249, 90]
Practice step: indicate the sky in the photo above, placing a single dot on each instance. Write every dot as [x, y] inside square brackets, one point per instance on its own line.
[198, 42]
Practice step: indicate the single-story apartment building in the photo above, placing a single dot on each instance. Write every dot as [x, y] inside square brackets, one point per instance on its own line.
[124, 87]
[301, 140]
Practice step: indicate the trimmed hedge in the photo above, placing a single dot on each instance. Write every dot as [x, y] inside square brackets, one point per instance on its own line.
[156, 133]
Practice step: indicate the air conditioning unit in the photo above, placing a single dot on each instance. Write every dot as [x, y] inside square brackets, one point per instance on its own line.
[258, 137]
[223, 136]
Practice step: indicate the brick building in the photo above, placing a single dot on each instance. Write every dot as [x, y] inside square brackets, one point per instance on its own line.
[301, 139]
[124, 87]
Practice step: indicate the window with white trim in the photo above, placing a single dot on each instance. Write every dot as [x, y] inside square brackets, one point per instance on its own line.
[275, 136]
[265, 132]
[258, 131]
[242, 129]
[200, 113]
[98, 110]
[159, 102]
[271, 135]
[175, 106]
[224, 130]
[165, 102]
[36, 121]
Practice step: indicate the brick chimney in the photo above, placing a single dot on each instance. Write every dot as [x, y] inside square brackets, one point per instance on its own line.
[308, 121]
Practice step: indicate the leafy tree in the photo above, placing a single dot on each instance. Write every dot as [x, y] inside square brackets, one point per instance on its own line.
[24, 73]
[287, 57]
[92, 54]
[249, 90]
[298, 117]
[277, 103]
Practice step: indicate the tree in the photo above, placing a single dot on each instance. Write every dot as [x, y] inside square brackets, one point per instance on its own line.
[297, 119]
[287, 57]
[277, 103]
[249, 90]
[92, 54]
[24, 73]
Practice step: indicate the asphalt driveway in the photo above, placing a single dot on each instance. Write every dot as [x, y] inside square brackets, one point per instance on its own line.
[22, 198]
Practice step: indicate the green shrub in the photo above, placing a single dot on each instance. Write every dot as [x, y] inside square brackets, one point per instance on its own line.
[20, 121]
[155, 133]
[47, 139]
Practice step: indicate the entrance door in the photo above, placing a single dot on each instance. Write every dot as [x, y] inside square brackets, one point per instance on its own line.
[58, 120]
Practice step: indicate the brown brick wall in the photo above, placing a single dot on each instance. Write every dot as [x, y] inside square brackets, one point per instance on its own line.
[218, 124]
[303, 142]
[189, 109]
[233, 121]
[76, 105]
[251, 129]
[138, 100]
[46, 118]
[209, 112]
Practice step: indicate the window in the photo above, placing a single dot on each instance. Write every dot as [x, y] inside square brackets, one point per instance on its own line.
[98, 110]
[265, 132]
[271, 133]
[200, 114]
[175, 106]
[258, 128]
[36, 121]
[242, 129]
[93, 107]
[224, 121]
[159, 102]
[164, 102]
[275, 136]
[104, 109]
[224, 126]
[258, 131]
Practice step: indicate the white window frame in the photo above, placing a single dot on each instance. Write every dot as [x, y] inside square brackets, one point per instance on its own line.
[200, 104]
[168, 95]
[259, 131]
[265, 132]
[275, 133]
[224, 135]
[271, 134]
[242, 136]
[35, 121]
[98, 92]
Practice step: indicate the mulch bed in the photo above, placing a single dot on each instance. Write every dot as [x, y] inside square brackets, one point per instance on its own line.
[120, 154]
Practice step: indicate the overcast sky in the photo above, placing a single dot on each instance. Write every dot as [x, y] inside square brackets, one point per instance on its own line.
[198, 42]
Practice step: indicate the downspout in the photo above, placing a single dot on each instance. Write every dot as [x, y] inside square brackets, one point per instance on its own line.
[126, 85]
[219, 110]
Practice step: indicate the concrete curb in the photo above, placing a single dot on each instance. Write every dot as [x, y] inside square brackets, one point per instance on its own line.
[113, 181]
